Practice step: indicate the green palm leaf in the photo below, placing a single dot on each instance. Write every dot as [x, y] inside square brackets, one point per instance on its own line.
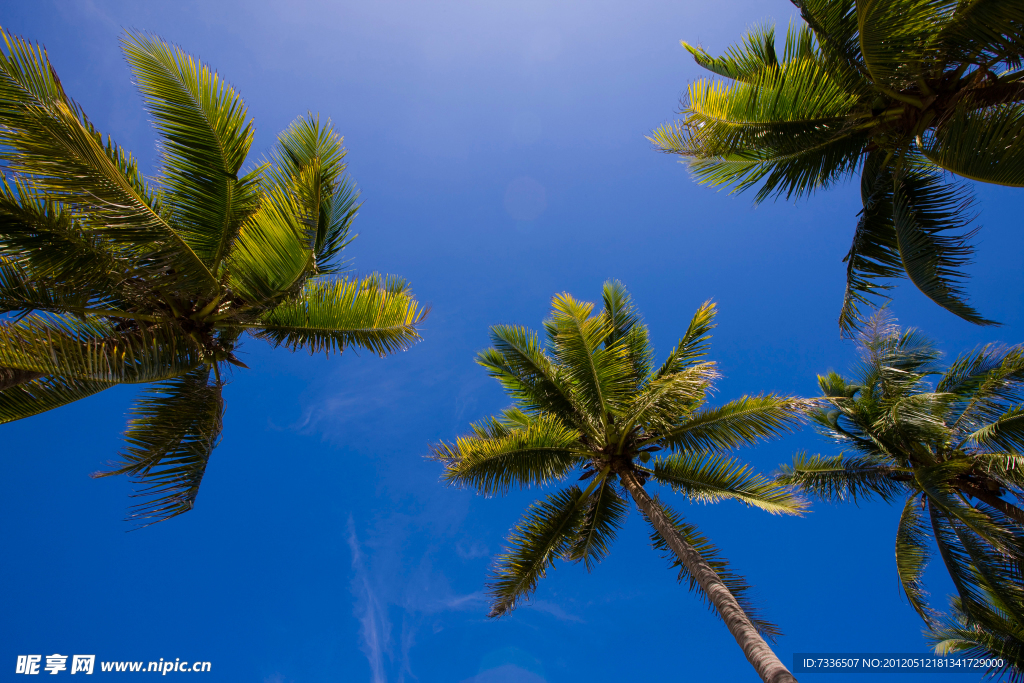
[895, 36]
[743, 62]
[375, 313]
[501, 456]
[710, 478]
[46, 135]
[173, 431]
[742, 422]
[520, 364]
[912, 556]
[989, 632]
[38, 396]
[94, 351]
[924, 209]
[309, 161]
[603, 514]
[270, 258]
[206, 138]
[875, 253]
[985, 31]
[834, 23]
[984, 144]
[45, 238]
[601, 375]
[839, 478]
[695, 343]
[544, 534]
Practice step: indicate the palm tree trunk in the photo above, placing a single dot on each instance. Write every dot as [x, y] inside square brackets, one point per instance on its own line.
[11, 377]
[757, 651]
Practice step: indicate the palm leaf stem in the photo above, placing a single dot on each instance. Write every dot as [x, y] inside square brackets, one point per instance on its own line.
[113, 313]
[12, 377]
[998, 503]
[756, 650]
[597, 480]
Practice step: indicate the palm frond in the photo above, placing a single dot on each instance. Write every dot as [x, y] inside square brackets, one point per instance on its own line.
[46, 239]
[206, 138]
[46, 135]
[897, 35]
[988, 381]
[925, 209]
[755, 53]
[174, 429]
[792, 166]
[376, 313]
[736, 584]
[834, 23]
[94, 351]
[271, 259]
[499, 456]
[987, 633]
[695, 343]
[874, 254]
[545, 533]
[38, 396]
[1006, 432]
[984, 32]
[658, 406]
[839, 478]
[310, 163]
[603, 515]
[912, 557]
[984, 144]
[628, 330]
[710, 478]
[601, 375]
[954, 513]
[741, 422]
[21, 292]
[528, 374]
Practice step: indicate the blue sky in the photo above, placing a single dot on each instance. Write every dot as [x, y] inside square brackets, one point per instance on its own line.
[500, 150]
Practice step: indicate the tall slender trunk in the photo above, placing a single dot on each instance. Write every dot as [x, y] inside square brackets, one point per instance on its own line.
[754, 647]
[11, 377]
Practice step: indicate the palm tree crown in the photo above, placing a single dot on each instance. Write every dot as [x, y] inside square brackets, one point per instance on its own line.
[108, 277]
[951, 453]
[591, 402]
[900, 90]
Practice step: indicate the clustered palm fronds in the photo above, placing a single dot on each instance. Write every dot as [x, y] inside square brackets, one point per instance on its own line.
[900, 90]
[951, 453]
[994, 630]
[108, 277]
[590, 402]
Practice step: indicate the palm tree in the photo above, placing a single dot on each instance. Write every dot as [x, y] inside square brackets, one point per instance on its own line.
[590, 401]
[899, 90]
[107, 277]
[994, 631]
[950, 453]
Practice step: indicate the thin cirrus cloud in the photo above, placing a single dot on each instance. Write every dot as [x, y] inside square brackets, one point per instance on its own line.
[381, 588]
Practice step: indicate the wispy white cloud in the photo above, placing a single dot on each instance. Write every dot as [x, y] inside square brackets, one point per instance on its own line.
[375, 629]
[554, 610]
[471, 550]
[384, 584]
